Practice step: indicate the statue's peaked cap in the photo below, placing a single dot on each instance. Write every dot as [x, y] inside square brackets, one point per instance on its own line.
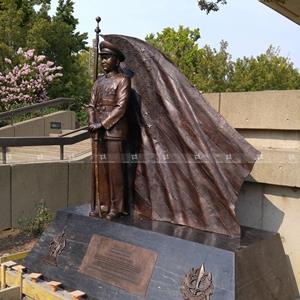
[108, 48]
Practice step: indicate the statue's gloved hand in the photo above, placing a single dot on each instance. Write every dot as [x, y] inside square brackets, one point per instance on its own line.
[94, 127]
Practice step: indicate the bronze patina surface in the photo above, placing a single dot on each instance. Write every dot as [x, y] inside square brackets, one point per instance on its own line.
[120, 264]
[191, 163]
[197, 285]
[108, 125]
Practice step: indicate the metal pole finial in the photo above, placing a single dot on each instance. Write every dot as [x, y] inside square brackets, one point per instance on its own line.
[97, 30]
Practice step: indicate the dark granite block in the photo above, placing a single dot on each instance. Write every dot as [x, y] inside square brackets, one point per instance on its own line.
[253, 267]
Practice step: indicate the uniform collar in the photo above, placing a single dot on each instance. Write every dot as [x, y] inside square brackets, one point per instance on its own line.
[110, 74]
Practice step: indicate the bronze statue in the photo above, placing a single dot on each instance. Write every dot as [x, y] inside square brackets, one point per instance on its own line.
[190, 162]
[108, 125]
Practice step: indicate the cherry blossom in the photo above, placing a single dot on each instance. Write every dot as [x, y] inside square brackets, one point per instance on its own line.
[26, 81]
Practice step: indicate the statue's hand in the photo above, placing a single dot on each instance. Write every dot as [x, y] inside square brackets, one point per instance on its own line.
[94, 126]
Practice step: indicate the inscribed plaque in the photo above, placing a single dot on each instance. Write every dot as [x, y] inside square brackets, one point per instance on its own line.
[123, 265]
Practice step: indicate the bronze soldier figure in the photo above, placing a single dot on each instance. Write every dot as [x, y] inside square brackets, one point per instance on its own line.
[108, 125]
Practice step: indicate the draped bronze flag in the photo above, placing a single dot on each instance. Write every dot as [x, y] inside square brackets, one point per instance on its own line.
[191, 163]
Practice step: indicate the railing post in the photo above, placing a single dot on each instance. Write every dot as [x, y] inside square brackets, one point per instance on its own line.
[4, 150]
[61, 152]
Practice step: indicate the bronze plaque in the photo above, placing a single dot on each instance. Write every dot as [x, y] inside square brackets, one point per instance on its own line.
[123, 265]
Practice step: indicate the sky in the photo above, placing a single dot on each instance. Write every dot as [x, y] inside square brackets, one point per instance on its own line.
[248, 26]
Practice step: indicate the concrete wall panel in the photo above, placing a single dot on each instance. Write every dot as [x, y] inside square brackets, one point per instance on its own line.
[5, 204]
[265, 109]
[7, 131]
[279, 167]
[277, 209]
[80, 175]
[67, 119]
[40, 126]
[33, 127]
[281, 211]
[214, 100]
[274, 139]
[33, 183]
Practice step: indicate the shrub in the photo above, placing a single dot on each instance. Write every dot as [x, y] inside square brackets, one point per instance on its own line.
[35, 225]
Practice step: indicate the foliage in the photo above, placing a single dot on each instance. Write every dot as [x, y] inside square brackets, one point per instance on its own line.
[209, 6]
[207, 68]
[27, 24]
[26, 80]
[16, 18]
[179, 46]
[57, 39]
[213, 70]
[268, 71]
[35, 225]
[84, 80]
[13, 24]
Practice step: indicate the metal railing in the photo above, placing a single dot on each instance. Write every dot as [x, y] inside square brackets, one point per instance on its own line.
[36, 107]
[65, 139]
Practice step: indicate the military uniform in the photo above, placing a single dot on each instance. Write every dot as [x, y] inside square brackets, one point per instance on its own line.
[108, 107]
[109, 103]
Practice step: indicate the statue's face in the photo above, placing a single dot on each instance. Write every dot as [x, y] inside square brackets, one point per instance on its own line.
[109, 62]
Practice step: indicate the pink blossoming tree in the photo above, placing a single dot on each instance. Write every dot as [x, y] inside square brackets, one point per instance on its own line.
[26, 81]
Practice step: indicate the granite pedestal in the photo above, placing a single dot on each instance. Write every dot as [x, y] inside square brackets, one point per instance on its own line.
[150, 260]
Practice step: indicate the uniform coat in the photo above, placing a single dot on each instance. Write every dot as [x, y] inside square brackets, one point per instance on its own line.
[108, 106]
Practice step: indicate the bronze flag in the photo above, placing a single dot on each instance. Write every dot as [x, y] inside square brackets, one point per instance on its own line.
[191, 163]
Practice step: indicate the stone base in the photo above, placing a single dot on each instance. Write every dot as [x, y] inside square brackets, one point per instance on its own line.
[149, 260]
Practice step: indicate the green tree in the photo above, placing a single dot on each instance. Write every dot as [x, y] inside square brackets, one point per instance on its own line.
[27, 24]
[16, 18]
[57, 39]
[209, 6]
[11, 31]
[213, 70]
[267, 71]
[207, 68]
[81, 84]
[179, 46]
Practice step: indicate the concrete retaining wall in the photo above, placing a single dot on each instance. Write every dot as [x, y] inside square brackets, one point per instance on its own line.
[7, 131]
[40, 126]
[58, 184]
[5, 197]
[33, 127]
[259, 110]
[270, 199]
[47, 182]
[274, 208]
[79, 187]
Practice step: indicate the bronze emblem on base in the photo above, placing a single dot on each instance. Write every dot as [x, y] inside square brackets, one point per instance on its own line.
[197, 285]
[56, 247]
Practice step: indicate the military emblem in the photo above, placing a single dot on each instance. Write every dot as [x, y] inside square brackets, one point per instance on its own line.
[56, 247]
[197, 285]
